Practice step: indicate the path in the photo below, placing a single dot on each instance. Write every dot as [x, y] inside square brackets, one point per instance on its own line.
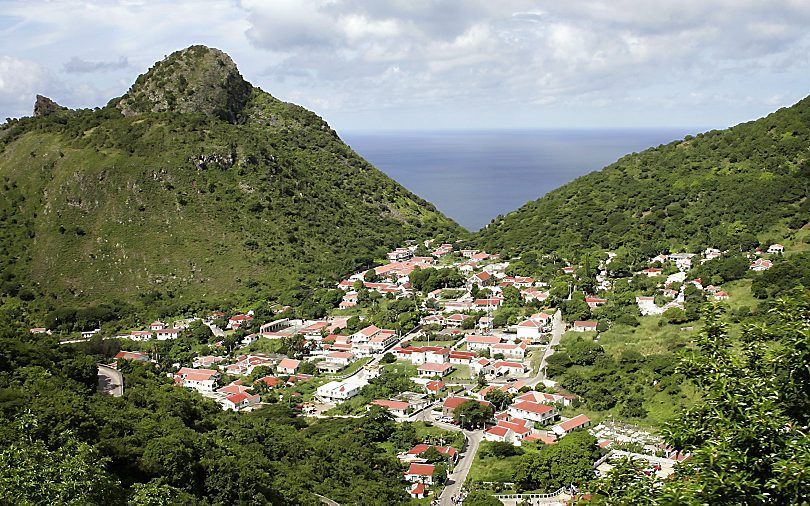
[218, 332]
[557, 331]
[456, 479]
[110, 381]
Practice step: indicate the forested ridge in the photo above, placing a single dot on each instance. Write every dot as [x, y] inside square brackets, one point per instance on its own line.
[721, 189]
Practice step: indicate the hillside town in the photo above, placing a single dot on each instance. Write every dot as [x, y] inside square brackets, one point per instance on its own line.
[466, 351]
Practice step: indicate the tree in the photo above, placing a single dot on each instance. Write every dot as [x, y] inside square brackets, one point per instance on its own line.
[473, 414]
[481, 498]
[569, 462]
[73, 473]
[371, 276]
[498, 398]
[388, 358]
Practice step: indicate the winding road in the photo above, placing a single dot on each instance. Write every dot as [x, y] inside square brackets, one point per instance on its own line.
[557, 331]
[456, 479]
[110, 381]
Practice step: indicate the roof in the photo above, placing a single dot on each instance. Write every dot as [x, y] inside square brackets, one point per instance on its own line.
[341, 354]
[237, 398]
[529, 323]
[504, 363]
[389, 404]
[418, 489]
[575, 422]
[435, 385]
[483, 339]
[454, 402]
[289, 363]
[370, 330]
[430, 366]
[421, 469]
[533, 407]
[498, 430]
[582, 323]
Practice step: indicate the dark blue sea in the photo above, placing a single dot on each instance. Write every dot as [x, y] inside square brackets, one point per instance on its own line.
[473, 176]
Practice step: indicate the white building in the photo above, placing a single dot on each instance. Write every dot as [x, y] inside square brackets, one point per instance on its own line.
[339, 391]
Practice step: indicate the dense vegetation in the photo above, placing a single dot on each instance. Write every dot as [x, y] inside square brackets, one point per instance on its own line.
[63, 443]
[723, 189]
[97, 206]
[748, 435]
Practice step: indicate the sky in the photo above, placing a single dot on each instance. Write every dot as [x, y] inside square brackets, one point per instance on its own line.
[367, 65]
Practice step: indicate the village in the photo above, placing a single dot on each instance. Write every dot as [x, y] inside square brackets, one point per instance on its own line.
[466, 352]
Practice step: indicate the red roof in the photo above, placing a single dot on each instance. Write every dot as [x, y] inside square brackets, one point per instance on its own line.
[421, 469]
[454, 402]
[289, 363]
[577, 421]
[435, 386]
[498, 430]
[388, 404]
[533, 407]
[581, 323]
[430, 366]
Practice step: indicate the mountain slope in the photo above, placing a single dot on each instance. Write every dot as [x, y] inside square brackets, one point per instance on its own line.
[204, 186]
[721, 188]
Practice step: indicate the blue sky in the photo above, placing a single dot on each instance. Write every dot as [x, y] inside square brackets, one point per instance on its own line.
[419, 64]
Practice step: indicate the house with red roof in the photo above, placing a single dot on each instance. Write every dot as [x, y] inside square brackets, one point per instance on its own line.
[240, 401]
[202, 380]
[721, 295]
[434, 387]
[461, 357]
[509, 350]
[475, 343]
[430, 369]
[132, 355]
[140, 335]
[288, 366]
[761, 264]
[504, 367]
[418, 491]
[451, 403]
[508, 432]
[584, 326]
[533, 411]
[568, 426]
[420, 473]
[157, 325]
[239, 321]
[594, 302]
[397, 408]
[482, 365]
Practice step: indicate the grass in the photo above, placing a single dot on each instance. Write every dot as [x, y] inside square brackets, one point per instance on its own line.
[401, 366]
[353, 367]
[648, 338]
[426, 431]
[493, 469]
[460, 371]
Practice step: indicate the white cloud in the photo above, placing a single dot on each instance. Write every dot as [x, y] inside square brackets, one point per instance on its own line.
[18, 79]
[366, 60]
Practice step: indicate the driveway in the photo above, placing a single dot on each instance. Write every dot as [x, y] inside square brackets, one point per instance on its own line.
[557, 331]
[110, 381]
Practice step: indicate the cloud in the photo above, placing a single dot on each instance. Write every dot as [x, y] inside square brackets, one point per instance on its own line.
[530, 61]
[79, 66]
[18, 81]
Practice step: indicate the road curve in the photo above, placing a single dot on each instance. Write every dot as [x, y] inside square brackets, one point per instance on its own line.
[110, 381]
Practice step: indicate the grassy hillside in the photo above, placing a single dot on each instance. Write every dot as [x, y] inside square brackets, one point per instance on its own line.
[99, 205]
[721, 188]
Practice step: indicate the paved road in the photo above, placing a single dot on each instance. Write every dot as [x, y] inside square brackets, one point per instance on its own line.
[218, 332]
[110, 381]
[458, 477]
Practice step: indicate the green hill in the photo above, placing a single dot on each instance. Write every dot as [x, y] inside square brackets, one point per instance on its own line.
[194, 184]
[721, 188]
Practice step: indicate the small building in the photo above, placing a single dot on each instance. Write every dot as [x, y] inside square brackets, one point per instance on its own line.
[397, 408]
[157, 325]
[420, 473]
[533, 411]
[132, 355]
[239, 401]
[202, 380]
[451, 403]
[339, 391]
[288, 366]
[504, 367]
[166, 334]
[761, 264]
[776, 249]
[475, 343]
[140, 335]
[430, 369]
[584, 326]
[568, 426]
[418, 491]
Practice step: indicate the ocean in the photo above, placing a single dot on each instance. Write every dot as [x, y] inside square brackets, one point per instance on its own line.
[473, 176]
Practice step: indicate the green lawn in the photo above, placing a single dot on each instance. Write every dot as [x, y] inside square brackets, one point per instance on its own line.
[402, 366]
[460, 371]
[493, 469]
[353, 367]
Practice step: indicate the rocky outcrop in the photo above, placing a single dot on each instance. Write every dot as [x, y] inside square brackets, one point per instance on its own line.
[196, 79]
[44, 106]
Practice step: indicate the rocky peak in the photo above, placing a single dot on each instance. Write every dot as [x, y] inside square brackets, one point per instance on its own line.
[196, 79]
[44, 106]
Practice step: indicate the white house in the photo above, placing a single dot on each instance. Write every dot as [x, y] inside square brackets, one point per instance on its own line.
[532, 411]
[578, 422]
[240, 401]
[475, 343]
[584, 326]
[202, 380]
[776, 248]
[165, 334]
[339, 391]
[433, 369]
